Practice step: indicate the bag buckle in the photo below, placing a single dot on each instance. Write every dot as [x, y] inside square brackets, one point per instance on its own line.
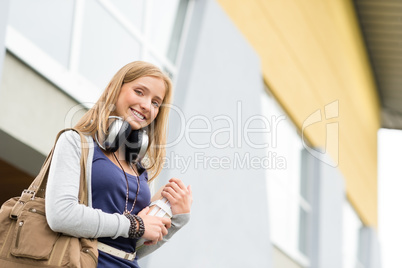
[26, 191]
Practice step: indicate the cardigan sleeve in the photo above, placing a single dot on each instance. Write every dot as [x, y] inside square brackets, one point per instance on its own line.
[178, 221]
[63, 211]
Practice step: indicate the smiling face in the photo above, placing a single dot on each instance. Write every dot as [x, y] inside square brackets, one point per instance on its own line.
[139, 101]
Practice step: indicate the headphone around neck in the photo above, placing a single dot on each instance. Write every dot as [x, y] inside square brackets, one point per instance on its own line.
[119, 132]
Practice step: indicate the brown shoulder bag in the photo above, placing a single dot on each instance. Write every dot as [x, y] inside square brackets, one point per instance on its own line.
[26, 239]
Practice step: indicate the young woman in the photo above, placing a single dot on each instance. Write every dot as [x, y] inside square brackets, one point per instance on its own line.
[118, 190]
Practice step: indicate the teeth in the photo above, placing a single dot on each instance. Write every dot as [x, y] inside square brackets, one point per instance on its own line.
[138, 114]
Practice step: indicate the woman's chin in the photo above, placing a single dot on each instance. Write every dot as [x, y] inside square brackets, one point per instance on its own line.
[137, 125]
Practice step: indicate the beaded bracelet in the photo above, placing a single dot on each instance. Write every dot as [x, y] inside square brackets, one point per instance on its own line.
[141, 229]
[133, 226]
[132, 232]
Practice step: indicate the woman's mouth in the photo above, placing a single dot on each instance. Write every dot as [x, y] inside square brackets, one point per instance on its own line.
[138, 115]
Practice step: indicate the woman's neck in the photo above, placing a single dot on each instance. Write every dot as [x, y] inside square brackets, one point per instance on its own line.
[130, 169]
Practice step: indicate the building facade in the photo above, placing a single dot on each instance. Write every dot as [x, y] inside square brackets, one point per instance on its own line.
[265, 123]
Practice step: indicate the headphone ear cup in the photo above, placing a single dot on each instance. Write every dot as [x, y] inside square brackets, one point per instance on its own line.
[118, 132]
[137, 145]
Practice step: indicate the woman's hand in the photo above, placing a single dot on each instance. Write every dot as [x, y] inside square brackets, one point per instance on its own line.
[155, 227]
[179, 196]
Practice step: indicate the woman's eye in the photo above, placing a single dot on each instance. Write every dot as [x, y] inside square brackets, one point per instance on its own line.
[155, 104]
[139, 92]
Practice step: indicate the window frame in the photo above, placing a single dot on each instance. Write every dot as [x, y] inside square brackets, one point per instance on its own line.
[69, 80]
[291, 249]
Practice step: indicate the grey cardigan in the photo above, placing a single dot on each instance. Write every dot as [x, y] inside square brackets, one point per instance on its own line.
[63, 212]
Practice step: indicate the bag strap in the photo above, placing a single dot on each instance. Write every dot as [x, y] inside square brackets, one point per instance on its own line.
[38, 186]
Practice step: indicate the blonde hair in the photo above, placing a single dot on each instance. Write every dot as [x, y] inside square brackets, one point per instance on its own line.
[97, 117]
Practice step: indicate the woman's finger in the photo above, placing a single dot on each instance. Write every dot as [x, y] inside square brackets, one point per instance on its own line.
[169, 197]
[167, 222]
[172, 192]
[175, 186]
[179, 183]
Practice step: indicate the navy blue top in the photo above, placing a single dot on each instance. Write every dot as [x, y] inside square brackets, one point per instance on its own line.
[109, 195]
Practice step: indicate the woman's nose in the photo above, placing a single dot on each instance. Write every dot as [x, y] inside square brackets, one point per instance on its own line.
[145, 104]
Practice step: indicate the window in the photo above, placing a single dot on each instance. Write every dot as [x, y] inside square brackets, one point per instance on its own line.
[79, 45]
[48, 24]
[105, 45]
[289, 206]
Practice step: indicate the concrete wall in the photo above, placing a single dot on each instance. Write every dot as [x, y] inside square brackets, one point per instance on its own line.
[32, 111]
[229, 225]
